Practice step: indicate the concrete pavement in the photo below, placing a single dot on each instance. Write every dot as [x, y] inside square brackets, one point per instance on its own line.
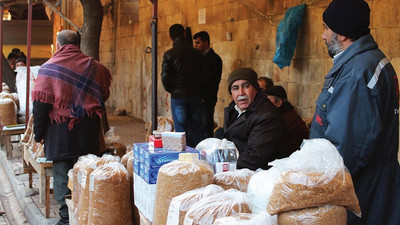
[128, 129]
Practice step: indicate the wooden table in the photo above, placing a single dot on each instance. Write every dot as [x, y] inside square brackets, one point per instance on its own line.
[44, 170]
[6, 134]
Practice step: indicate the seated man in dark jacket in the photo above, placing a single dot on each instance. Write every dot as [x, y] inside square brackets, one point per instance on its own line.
[295, 128]
[252, 122]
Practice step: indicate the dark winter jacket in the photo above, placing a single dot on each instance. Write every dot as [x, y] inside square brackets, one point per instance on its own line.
[183, 68]
[257, 134]
[358, 111]
[295, 128]
[210, 85]
[60, 143]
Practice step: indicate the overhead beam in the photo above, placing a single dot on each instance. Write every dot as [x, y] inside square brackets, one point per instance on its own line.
[52, 7]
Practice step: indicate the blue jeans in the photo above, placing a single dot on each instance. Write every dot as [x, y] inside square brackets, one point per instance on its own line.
[186, 113]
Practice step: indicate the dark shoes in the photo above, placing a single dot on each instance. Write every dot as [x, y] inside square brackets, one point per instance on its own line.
[63, 221]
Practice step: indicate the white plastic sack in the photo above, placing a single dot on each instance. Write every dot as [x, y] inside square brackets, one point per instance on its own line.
[20, 83]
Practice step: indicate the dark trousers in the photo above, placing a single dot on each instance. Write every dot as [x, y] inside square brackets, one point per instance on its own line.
[186, 113]
[207, 116]
[60, 177]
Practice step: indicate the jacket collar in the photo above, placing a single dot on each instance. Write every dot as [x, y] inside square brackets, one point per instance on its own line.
[363, 44]
[178, 41]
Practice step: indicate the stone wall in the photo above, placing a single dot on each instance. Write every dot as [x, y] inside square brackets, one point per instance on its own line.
[252, 25]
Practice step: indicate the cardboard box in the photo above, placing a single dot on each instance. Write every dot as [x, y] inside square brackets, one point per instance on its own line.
[155, 142]
[144, 195]
[151, 160]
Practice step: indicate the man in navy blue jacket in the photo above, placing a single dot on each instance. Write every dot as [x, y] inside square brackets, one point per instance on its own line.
[358, 111]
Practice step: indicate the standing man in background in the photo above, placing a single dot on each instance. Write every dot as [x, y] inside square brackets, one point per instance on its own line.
[183, 69]
[358, 111]
[209, 85]
[68, 101]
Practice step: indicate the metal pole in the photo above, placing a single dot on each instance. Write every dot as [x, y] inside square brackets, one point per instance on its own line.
[28, 61]
[154, 64]
[1, 46]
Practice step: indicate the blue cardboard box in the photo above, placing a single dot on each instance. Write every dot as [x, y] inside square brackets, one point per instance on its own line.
[150, 161]
[136, 166]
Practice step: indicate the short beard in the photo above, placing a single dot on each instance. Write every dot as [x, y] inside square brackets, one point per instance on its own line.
[334, 46]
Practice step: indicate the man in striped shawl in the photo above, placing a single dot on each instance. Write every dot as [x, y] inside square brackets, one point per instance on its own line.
[68, 101]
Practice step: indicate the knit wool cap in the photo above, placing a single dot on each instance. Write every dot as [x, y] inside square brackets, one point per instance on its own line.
[277, 91]
[349, 18]
[243, 74]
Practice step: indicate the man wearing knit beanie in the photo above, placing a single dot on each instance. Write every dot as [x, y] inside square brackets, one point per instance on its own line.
[358, 111]
[252, 122]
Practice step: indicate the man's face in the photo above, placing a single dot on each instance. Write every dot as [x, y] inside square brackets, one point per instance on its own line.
[243, 93]
[262, 84]
[331, 41]
[200, 44]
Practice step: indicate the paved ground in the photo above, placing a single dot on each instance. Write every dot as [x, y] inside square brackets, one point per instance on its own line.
[128, 129]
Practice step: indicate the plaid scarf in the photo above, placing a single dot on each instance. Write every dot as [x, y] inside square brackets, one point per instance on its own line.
[75, 84]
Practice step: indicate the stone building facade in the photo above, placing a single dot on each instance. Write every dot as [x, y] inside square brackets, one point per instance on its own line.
[252, 26]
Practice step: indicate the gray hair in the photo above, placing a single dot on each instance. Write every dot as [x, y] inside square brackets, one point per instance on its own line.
[68, 37]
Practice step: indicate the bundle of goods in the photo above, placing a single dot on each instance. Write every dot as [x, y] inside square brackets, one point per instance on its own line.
[176, 178]
[112, 143]
[314, 176]
[84, 180]
[181, 203]
[78, 176]
[223, 204]
[323, 215]
[5, 87]
[109, 192]
[237, 179]
[8, 111]
[220, 154]
[260, 189]
[261, 218]
[126, 157]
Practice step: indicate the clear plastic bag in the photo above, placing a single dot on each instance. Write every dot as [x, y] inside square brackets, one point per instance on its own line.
[109, 192]
[220, 154]
[223, 204]
[323, 215]
[313, 176]
[262, 218]
[181, 204]
[237, 179]
[176, 178]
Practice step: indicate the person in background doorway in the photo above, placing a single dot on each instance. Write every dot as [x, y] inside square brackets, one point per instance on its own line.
[68, 99]
[11, 60]
[209, 86]
[19, 62]
[295, 128]
[265, 83]
[252, 122]
[358, 111]
[183, 69]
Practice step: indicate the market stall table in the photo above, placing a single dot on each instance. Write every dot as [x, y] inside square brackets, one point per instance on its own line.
[6, 134]
[44, 170]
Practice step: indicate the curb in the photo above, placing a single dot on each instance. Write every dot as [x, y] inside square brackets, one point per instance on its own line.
[32, 213]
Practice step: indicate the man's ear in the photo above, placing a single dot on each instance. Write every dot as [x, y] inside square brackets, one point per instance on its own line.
[279, 102]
